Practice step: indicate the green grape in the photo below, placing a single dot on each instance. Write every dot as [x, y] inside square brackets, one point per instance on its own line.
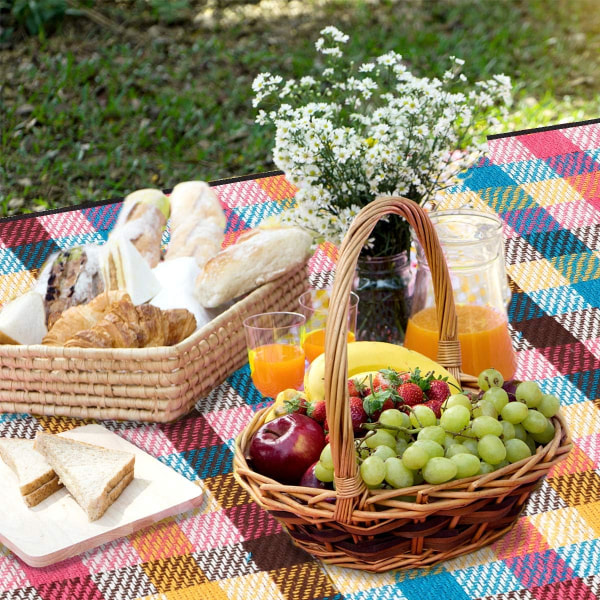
[508, 430]
[467, 465]
[439, 470]
[449, 440]
[514, 412]
[471, 446]
[549, 405]
[485, 468]
[326, 457]
[433, 432]
[457, 400]
[501, 465]
[531, 443]
[384, 452]
[392, 417]
[546, 436]
[402, 435]
[486, 426]
[485, 408]
[520, 432]
[490, 378]
[497, 396]
[466, 434]
[457, 449]
[491, 449]
[415, 457]
[530, 393]
[401, 446]
[455, 418]
[432, 448]
[516, 450]
[372, 471]
[418, 477]
[534, 422]
[422, 416]
[397, 474]
[322, 473]
[381, 438]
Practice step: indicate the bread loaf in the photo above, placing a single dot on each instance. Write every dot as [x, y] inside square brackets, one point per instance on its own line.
[142, 220]
[197, 222]
[259, 255]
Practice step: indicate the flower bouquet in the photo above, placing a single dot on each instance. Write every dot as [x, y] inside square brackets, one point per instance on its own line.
[353, 132]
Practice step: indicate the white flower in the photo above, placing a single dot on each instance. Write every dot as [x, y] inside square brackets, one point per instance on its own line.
[355, 131]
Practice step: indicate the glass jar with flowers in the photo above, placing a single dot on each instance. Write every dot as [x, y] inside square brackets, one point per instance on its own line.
[352, 132]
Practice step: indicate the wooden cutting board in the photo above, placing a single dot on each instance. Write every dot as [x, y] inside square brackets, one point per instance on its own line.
[58, 528]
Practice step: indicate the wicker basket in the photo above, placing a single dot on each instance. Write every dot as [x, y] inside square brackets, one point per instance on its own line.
[377, 530]
[143, 384]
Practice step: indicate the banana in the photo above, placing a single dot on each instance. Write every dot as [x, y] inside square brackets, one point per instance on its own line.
[278, 407]
[372, 356]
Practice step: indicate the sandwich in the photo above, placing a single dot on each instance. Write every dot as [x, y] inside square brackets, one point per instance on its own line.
[23, 320]
[93, 475]
[37, 479]
[125, 269]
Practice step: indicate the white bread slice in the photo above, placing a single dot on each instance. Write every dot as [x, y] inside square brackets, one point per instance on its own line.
[37, 479]
[23, 320]
[94, 476]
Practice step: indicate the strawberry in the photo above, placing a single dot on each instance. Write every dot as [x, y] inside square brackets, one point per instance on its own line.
[298, 404]
[411, 394]
[381, 382]
[357, 413]
[438, 390]
[358, 387]
[316, 410]
[376, 402]
[436, 406]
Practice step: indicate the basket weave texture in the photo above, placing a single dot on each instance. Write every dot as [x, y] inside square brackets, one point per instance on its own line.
[141, 384]
[378, 530]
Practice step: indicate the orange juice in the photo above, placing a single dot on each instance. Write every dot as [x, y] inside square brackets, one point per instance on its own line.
[275, 367]
[483, 334]
[314, 343]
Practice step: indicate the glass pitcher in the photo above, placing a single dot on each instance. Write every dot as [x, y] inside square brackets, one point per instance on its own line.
[473, 246]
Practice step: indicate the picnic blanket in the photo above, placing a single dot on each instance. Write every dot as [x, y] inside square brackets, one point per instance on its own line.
[545, 186]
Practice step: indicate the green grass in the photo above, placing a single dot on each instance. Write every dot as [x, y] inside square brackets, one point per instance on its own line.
[92, 113]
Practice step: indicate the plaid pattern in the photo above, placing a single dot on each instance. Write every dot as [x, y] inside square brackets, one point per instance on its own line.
[545, 186]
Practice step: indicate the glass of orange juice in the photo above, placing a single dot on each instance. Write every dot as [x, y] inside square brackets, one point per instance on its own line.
[275, 351]
[473, 246]
[314, 304]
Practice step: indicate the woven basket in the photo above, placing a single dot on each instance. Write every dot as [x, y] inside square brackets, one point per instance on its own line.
[142, 384]
[377, 530]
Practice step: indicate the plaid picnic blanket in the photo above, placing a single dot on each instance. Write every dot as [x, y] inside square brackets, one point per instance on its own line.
[545, 186]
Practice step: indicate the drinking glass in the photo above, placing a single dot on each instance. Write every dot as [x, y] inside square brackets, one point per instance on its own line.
[275, 351]
[314, 304]
[473, 246]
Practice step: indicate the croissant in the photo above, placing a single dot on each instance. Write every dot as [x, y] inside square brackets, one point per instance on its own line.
[83, 316]
[129, 326]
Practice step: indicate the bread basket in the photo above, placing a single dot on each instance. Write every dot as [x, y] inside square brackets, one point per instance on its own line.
[377, 530]
[142, 384]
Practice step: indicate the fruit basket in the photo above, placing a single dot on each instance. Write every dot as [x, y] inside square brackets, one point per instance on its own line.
[143, 384]
[380, 529]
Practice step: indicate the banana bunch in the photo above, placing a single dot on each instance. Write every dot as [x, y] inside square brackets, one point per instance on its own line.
[364, 357]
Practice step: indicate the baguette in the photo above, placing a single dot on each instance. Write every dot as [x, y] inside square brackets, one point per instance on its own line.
[93, 475]
[142, 220]
[197, 223]
[259, 255]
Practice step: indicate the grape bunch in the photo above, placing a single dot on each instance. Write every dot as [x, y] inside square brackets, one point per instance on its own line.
[475, 434]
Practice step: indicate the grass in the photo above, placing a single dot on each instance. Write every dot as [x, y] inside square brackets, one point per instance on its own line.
[154, 96]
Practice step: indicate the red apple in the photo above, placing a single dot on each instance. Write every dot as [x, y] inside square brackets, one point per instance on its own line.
[309, 478]
[285, 447]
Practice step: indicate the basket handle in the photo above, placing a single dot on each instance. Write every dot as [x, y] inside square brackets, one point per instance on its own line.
[349, 485]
